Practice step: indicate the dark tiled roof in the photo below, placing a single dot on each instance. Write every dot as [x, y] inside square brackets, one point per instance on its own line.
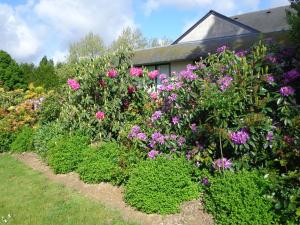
[194, 50]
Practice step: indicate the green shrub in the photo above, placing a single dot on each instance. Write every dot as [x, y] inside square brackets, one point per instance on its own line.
[24, 140]
[6, 138]
[50, 108]
[43, 135]
[66, 152]
[238, 198]
[160, 185]
[108, 163]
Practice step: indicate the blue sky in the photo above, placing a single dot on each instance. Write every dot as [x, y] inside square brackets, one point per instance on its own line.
[33, 28]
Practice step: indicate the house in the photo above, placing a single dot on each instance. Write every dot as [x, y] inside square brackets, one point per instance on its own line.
[212, 31]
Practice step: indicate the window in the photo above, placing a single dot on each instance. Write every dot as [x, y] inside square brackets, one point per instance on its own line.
[162, 68]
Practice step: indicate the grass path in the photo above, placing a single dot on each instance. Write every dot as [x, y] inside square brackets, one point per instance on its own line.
[27, 197]
[191, 214]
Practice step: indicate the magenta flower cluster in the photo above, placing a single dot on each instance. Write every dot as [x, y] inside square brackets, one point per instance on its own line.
[287, 91]
[290, 76]
[188, 75]
[239, 137]
[225, 82]
[222, 163]
[100, 115]
[112, 73]
[136, 72]
[269, 78]
[74, 85]
[153, 74]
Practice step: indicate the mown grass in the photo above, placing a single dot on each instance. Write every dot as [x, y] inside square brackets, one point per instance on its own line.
[28, 198]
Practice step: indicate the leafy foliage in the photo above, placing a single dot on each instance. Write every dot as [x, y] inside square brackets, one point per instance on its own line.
[6, 138]
[238, 198]
[160, 186]
[23, 140]
[44, 134]
[294, 21]
[50, 108]
[106, 164]
[11, 77]
[66, 151]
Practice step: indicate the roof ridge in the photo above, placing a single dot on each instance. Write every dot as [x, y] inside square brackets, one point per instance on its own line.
[212, 12]
[252, 12]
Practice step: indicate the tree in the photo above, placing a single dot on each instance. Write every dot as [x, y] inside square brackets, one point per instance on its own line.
[89, 46]
[11, 77]
[129, 38]
[159, 42]
[294, 21]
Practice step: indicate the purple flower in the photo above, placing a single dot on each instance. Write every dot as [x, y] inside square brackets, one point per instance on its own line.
[269, 78]
[222, 163]
[162, 76]
[286, 91]
[271, 58]
[188, 155]
[221, 49]
[224, 82]
[173, 137]
[158, 137]
[241, 53]
[175, 120]
[188, 75]
[191, 67]
[172, 97]
[141, 136]
[152, 154]
[193, 127]
[156, 115]
[181, 141]
[170, 87]
[134, 132]
[239, 137]
[178, 84]
[205, 181]
[269, 136]
[291, 76]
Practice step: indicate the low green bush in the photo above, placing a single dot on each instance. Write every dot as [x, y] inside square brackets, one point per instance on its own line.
[6, 138]
[108, 163]
[66, 152]
[238, 198]
[160, 185]
[43, 135]
[24, 140]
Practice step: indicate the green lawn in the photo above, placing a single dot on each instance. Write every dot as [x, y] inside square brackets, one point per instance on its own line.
[27, 197]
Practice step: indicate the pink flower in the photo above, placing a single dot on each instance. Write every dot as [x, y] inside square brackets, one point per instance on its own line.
[222, 163]
[221, 49]
[112, 73]
[154, 95]
[175, 120]
[136, 72]
[100, 115]
[73, 84]
[153, 74]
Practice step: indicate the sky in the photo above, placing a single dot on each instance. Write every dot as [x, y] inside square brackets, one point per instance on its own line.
[30, 29]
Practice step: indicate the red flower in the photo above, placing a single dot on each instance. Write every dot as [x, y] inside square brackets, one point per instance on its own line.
[112, 73]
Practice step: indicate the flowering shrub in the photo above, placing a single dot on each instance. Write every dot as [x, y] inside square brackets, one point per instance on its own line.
[105, 94]
[239, 107]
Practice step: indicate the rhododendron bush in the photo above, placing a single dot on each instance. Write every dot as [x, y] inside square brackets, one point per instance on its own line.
[104, 94]
[233, 105]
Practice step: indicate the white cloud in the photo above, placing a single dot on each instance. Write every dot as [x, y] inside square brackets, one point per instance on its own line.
[222, 6]
[17, 37]
[48, 26]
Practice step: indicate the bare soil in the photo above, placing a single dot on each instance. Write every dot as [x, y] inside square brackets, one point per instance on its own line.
[192, 212]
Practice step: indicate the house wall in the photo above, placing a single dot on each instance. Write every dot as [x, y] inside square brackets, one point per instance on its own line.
[179, 66]
[213, 27]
